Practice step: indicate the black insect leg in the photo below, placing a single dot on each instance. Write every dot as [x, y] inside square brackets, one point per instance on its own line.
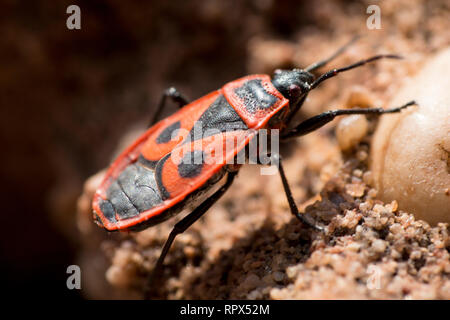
[320, 120]
[175, 96]
[321, 63]
[290, 198]
[182, 225]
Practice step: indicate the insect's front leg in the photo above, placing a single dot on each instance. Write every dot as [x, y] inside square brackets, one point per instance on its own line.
[175, 95]
[276, 158]
[322, 119]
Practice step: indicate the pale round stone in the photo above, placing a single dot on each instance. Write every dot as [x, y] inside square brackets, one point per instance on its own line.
[410, 153]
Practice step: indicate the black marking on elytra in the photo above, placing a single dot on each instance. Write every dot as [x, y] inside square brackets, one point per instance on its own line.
[108, 210]
[151, 164]
[158, 175]
[219, 117]
[139, 185]
[121, 203]
[187, 202]
[255, 96]
[191, 165]
[133, 192]
[166, 135]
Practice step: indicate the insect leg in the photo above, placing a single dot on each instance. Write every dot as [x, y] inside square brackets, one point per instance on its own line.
[320, 64]
[175, 96]
[290, 198]
[182, 225]
[320, 120]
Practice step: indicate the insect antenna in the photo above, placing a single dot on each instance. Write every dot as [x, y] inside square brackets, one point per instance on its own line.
[334, 72]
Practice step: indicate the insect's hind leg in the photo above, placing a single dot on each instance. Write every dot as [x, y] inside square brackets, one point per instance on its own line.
[181, 226]
[175, 95]
[322, 119]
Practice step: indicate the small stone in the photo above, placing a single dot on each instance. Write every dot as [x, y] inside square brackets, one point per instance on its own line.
[254, 295]
[396, 228]
[379, 246]
[378, 208]
[292, 271]
[189, 251]
[368, 177]
[362, 155]
[278, 276]
[372, 193]
[393, 206]
[351, 130]
[365, 206]
[355, 190]
[251, 281]
[117, 276]
[268, 279]
[415, 255]
[122, 257]
[354, 246]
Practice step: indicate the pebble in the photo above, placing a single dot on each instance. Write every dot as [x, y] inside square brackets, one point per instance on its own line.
[278, 276]
[351, 130]
[379, 245]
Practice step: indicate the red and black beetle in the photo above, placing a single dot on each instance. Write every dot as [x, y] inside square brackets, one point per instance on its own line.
[145, 186]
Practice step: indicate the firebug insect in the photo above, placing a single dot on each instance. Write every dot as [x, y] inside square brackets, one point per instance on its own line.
[145, 186]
